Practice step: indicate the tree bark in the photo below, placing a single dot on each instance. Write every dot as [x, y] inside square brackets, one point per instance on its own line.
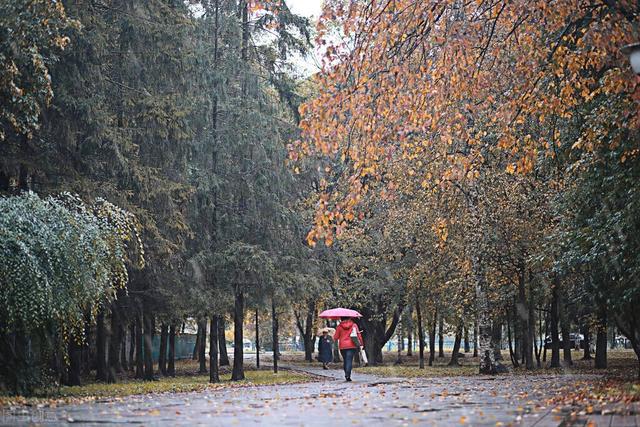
[555, 342]
[376, 333]
[409, 327]
[238, 347]
[400, 342]
[587, 341]
[306, 330]
[274, 334]
[123, 348]
[628, 324]
[475, 338]
[132, 344]
[214, 375]
[171, 365]
[539, 340]
[420, 334]
[456, 347]
[87, 347]
[75, 361]
[530, 333]
[512, 353]
[523, 312]
[496, 339]
[162, 356]
[257, 341]
[547, 321]
[432, 338]
[114, 344]
[601, 341]
[441, 337]
[202, 348]
[222, 342]
[196, 346]
[139, 347]
[148, 341]
[101, 356]
[565, 327]
[467, 346]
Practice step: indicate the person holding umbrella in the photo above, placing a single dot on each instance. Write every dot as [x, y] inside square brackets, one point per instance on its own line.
[347, 334]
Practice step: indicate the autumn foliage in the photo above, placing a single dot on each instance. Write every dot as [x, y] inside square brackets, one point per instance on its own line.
[469, 78]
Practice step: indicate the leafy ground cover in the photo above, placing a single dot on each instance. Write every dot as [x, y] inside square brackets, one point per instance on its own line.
[186, 380]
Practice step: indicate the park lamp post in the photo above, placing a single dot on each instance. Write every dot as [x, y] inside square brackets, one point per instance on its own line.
[633, 53]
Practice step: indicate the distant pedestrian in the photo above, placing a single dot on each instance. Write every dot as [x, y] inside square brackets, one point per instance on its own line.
[325, 349]
[349, 342]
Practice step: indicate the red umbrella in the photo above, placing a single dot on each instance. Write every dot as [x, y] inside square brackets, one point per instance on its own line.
[337, 313]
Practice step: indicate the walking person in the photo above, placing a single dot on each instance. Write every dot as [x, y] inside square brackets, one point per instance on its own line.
[349, 342]
[325, 349]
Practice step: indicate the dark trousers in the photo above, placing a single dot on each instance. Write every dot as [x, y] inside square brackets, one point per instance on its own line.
[347, 361]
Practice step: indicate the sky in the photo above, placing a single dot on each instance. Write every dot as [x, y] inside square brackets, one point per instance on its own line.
[311, 9]
[308, 8]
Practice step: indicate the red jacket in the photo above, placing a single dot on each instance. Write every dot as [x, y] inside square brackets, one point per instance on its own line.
[343, 335]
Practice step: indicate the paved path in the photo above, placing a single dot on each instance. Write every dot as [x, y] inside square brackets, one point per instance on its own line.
[368, 400]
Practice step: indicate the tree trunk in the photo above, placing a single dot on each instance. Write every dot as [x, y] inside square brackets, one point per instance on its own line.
[517, 337]
[238, 345]
[530, 333]
[565, 327]
[601, 342]
[628, 323]
[75, 361]
[114, 344]
[400, 341]
[546, 334]
[488, 364]
[420, 334]
[467, 346]
[123, 348]
[171, 368]
[611, 335]
[496, 339]
[139, 347]
[555, 341]
[222, 342]
[214, 375]
[539, 340]
[441, 337]
[456, 347]
[306, 330]
[87, 348]
[587, 341]
[274, 334]
[101, 356]
[432, 338]
[132, 344]
[196, 346]
[523, 313]
[202, 348]
[376, 333]
[148, 344]
[475, 338]
[162, 357]
[257, 341]
[409, 325]
[512, 353]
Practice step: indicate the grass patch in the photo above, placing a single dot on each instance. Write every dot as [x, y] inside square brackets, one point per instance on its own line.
[416, 372]
[128, 387]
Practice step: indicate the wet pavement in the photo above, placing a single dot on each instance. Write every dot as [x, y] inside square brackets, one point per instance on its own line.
[368, 400]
